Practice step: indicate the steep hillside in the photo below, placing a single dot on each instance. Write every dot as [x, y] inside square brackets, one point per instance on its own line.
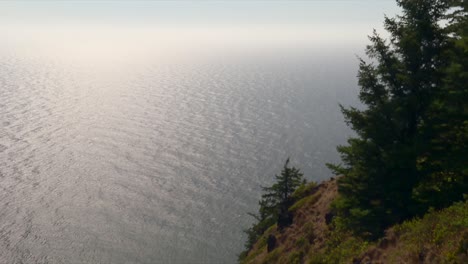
[439, 237]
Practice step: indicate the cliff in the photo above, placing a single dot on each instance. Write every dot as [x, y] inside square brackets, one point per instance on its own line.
[438, 237]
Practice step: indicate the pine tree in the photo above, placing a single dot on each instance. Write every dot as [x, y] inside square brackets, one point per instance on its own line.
[277, 199]
[384, 165]
[274, 205]
[445, 158]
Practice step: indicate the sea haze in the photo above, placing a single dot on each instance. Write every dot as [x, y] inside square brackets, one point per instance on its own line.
[148, 141]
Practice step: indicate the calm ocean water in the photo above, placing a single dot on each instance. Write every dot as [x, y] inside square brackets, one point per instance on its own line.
[156, 161]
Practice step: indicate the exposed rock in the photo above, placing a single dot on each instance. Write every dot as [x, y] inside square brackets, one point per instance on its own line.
[271, 242]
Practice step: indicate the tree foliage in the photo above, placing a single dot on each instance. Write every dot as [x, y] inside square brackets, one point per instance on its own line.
[410, 150]
[277, 199]
[444, 161]
[274, 204]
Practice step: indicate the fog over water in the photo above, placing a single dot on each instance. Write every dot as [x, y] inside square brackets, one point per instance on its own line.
[149, 142]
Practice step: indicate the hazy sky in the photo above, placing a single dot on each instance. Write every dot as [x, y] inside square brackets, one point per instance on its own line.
[98, 26]
[201, 11]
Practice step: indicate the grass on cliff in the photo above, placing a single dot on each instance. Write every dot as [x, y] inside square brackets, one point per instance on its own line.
[438, 237]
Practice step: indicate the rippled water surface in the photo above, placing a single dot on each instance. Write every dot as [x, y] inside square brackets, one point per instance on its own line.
[155, 161]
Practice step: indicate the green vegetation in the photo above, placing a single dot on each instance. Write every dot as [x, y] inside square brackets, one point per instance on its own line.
[261, 246]
[341, 247]
[407, 162]
[273, 256]
[304, 190]
[411, 149]
[438, 237]
[444, 233]
[274, 205]
[276, 200]
[307, 200]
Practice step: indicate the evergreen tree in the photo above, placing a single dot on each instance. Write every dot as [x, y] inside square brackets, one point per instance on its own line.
[445, 158]
[274, 204]
[277, 199]
[403, 90]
